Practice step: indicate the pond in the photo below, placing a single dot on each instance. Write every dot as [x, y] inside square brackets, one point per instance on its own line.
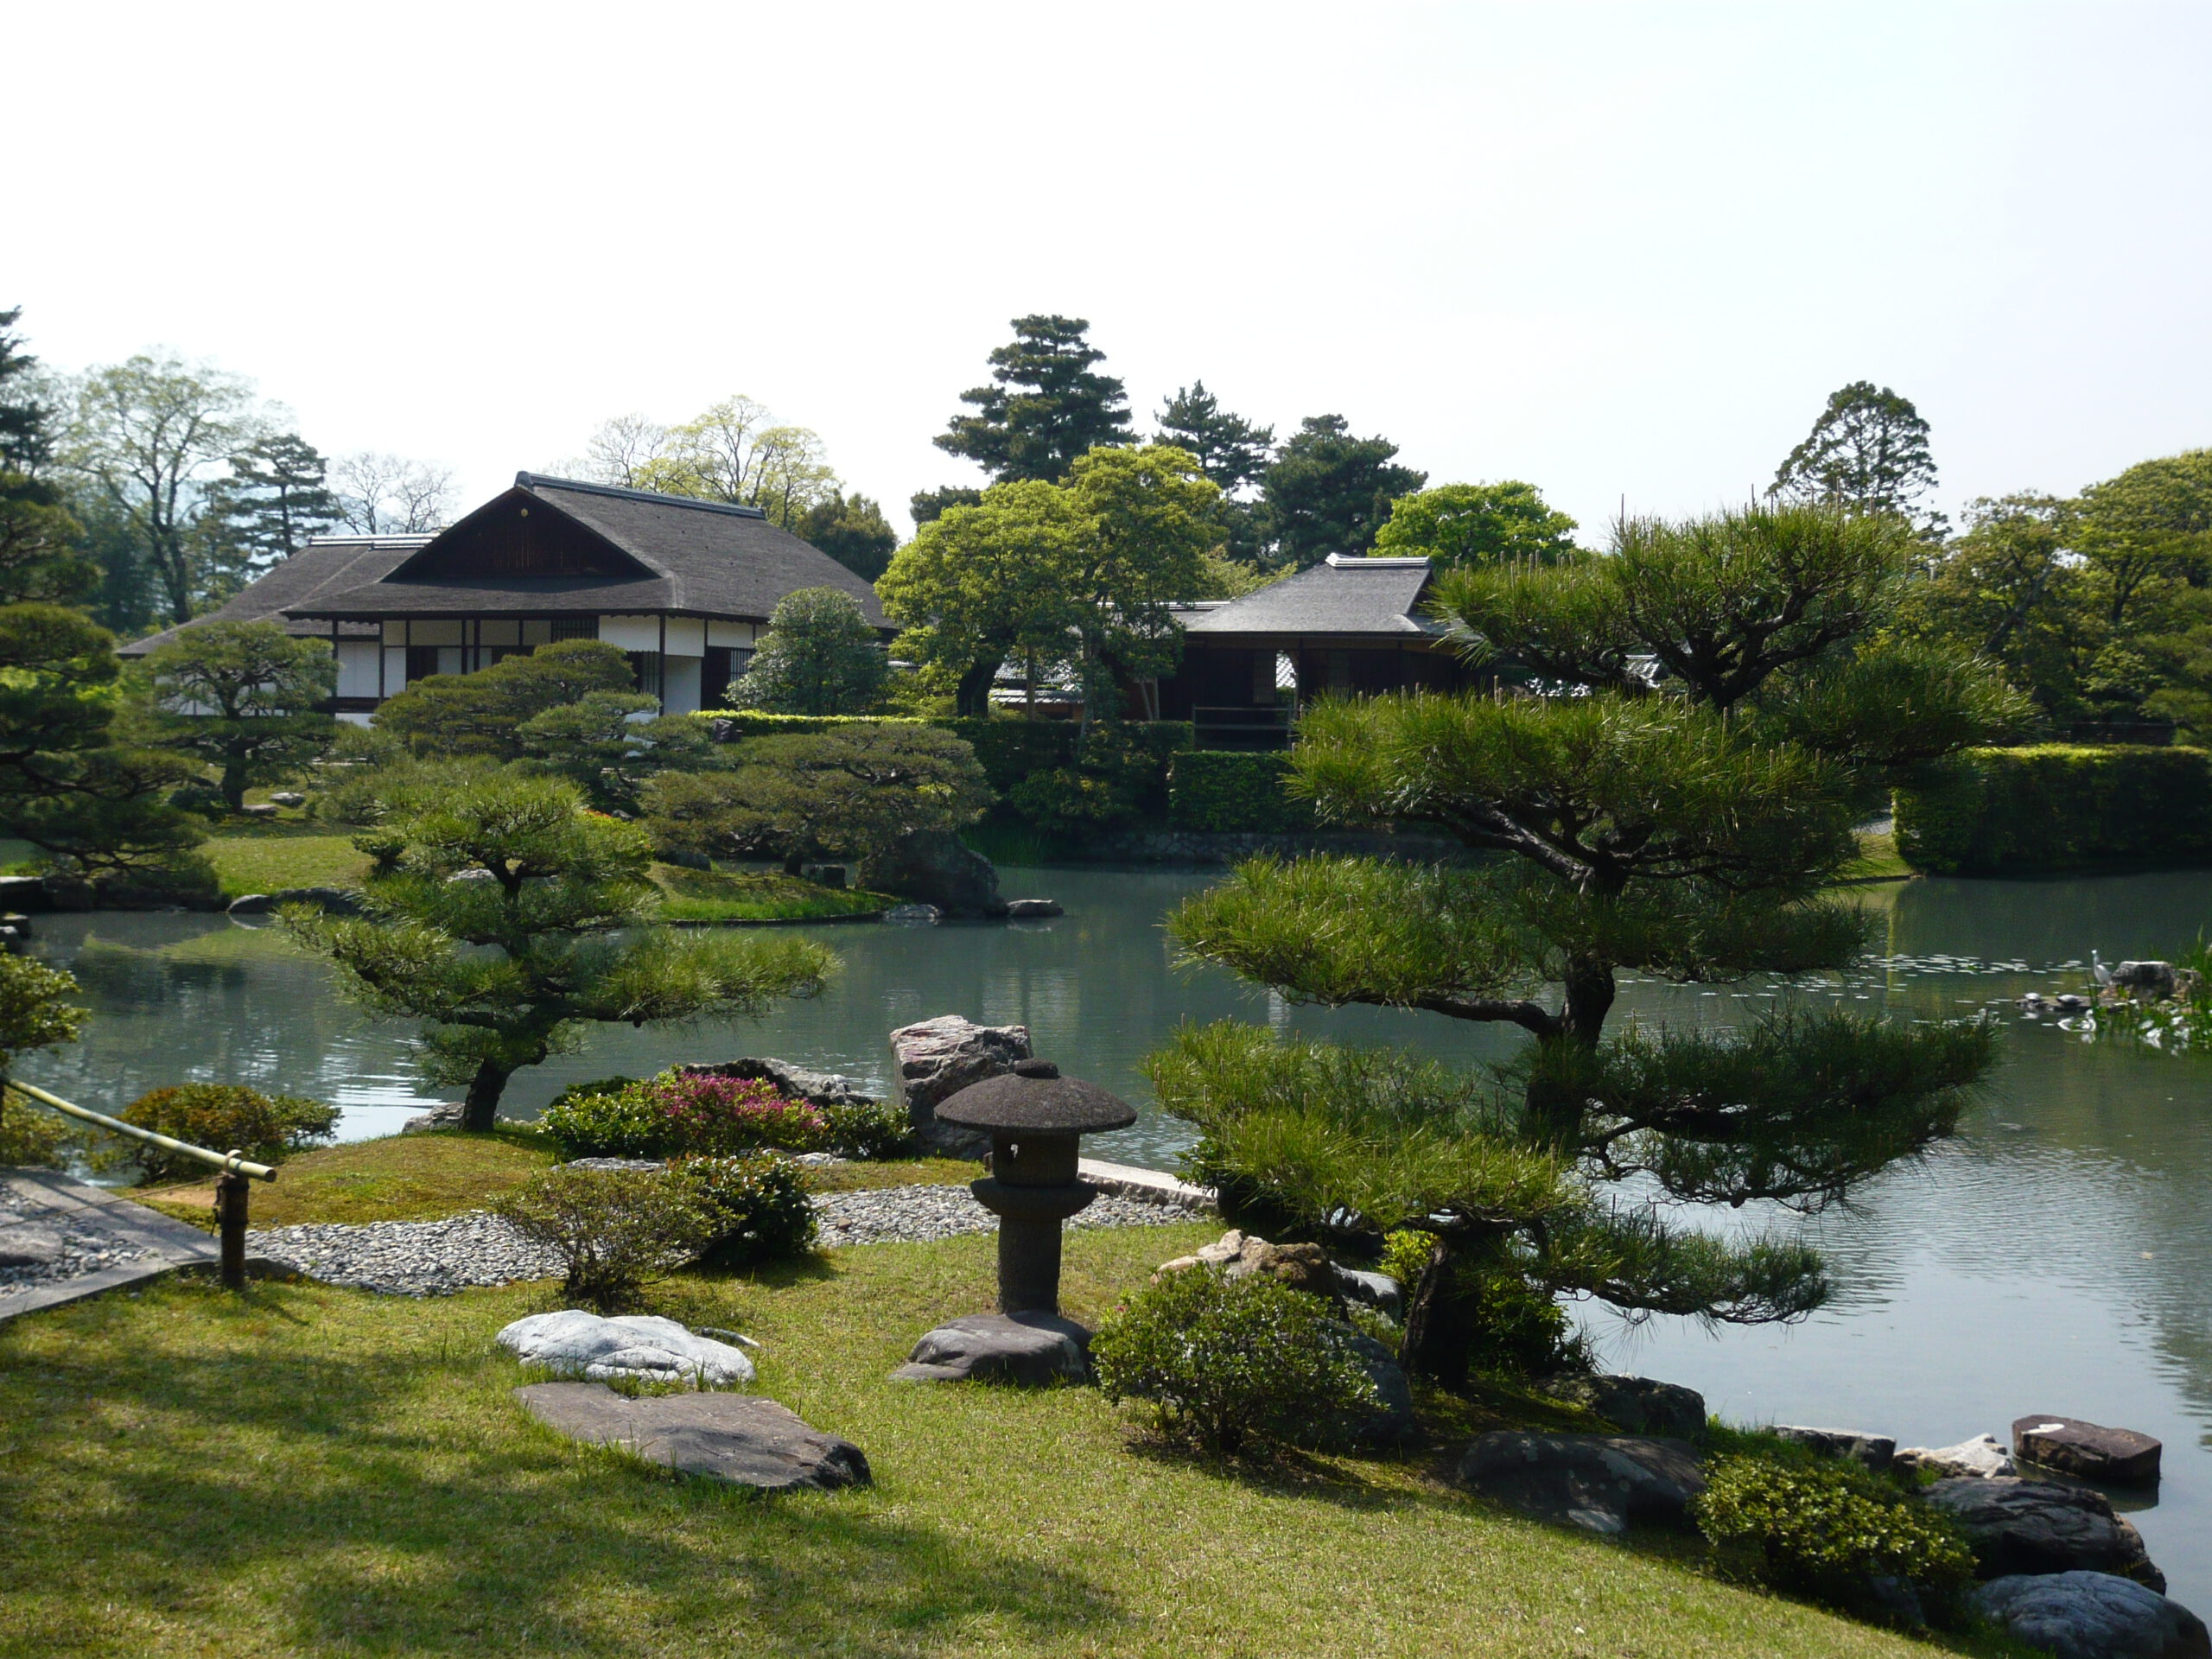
[2057, 1258]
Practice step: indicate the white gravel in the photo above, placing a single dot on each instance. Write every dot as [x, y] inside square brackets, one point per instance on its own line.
[435, 1258]
[85, 1248]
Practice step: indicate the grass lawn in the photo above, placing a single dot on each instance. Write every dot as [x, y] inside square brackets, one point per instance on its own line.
[1877, 859]
[705, 896]
[309, 1470]
[418, 1177]
[297, 854]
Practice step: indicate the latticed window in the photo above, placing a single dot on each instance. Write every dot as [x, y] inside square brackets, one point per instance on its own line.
[575, 628]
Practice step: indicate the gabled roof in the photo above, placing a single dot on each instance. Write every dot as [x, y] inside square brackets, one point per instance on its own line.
[326, 563]
[665, 553]
[1336, 598]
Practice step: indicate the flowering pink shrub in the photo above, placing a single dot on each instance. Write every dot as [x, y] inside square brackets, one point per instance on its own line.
[679, 1113]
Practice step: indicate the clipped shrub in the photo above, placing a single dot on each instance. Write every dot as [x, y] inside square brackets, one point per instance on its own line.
[756, 1208]
[680, 1113]
[875, 1128]
[614, 1229]
[1233, 791]
[2057, 806]
[219, 1116]
[1233, 1365]
[32, 1137]
[1830, 1531]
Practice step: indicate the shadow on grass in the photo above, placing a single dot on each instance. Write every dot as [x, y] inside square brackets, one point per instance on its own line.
[407, 1503]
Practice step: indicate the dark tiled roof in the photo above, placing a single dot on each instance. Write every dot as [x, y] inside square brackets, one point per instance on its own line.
[703, 558]
[327, 563]
[1337, 597]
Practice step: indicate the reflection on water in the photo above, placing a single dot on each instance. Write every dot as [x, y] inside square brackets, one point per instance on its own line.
[2055, 1260]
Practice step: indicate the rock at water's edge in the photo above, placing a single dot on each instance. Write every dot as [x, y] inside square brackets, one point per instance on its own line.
[446, 1115]
[937, 867]
[933, 1059]
[2093, 1616]
[792, 1082]
[1638, 1404]
[1598, 1483]
[1033, 910]
[1874, 1452]
[1032, 1350]
[2089, 1450]
[741, 1438]
[2038, 1526]
[335, 901]
[1981, 1457]
[574, 1343]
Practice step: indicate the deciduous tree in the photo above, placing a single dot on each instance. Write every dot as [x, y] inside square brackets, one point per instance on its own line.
[820, 656]
[1476, 523]
[390, 495]
[242, 698]
[515, 918]
[1685, 830]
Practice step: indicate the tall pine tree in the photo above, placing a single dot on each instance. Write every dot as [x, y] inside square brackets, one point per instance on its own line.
[275, 499]
[1868, 452]
[1045, 404]
[1328, 492]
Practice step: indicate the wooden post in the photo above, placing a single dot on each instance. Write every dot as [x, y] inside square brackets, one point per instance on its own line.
[231, 1191]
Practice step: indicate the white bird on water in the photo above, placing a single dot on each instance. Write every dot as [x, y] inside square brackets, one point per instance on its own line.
[2097, 967]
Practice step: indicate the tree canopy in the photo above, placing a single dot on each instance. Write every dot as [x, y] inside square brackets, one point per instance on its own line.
[1045, 406]
[513, 917]
[1327, 491]
[274, 498]
[483, 713]
[852, 530]
[1684, 827]
[1868, 452]
[242, 698]
[820, 656]
[1476, 523]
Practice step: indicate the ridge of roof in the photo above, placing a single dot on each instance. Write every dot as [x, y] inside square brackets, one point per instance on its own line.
[535, 481]
[1377, 561]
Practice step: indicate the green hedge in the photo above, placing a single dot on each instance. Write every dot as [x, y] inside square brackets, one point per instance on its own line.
[1233, 791]
[2057, 806]
[738, 723]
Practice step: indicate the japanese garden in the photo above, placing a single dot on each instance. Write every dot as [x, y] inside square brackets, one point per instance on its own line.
[1222, 1047]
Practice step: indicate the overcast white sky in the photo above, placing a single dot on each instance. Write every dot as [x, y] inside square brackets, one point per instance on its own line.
[1619, 251]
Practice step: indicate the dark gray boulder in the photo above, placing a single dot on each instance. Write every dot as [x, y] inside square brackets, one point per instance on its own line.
[935, 867]
[1599, 1482]
[1377, 1290]
[334, 901]
[1874, 1452]
[2039, 1525]
[26, 892]
[1392, 1422]
[1031, 1350]
[2154, 980]
[933, 1059]
[2089, 1450]
[738, 1437]
[2083, 1615]
[1638, 1404]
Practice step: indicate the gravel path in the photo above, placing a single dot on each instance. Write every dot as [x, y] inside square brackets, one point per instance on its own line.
[41, 1245]
[435, 1258]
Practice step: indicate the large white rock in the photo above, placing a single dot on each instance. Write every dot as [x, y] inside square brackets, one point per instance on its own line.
[572, 1343]
[1984, 1456]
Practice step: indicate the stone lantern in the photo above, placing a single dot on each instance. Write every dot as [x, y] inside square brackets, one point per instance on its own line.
[1034, 1117]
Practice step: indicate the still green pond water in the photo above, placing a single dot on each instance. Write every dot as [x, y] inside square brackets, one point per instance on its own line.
[2057, 1258]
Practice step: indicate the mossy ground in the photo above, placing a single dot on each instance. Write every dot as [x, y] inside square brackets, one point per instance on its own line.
[717, 896]
[308, 1471]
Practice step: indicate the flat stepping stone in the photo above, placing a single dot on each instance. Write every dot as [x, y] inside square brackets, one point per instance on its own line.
[1874, 1452]
[2093, 1616]
[1032, 1350]
[29, 1244]
[1598, 1483]
[738, 1437]
[2088, 1450]
[636, 1347]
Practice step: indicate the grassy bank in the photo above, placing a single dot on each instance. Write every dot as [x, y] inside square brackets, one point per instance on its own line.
[269, 857]
[306, 1470]
[418, 1177]
[768, 896]
[1878, 860]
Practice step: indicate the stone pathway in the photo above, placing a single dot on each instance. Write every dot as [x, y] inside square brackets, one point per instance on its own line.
[62, 1239]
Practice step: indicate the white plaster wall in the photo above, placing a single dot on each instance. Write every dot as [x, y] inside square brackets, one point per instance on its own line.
[631, 633]
[680, 685]
[357, 667]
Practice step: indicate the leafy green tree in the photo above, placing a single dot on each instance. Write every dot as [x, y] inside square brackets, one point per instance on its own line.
[1086, 573]
[2150, 527]
[1685, 830]
[39, 560]
[274, 497]
[516, 918]
[601, 744]
[850, 793]
[2012, 588]
[1046, 405]
[483, 713]
[851, 529]
[1327, 491]
[737, 452]
[927, 506]
[242, 697]
[1868, 452]
[34, 1013]
[1476, 523]
[148, 434]
[820, 656]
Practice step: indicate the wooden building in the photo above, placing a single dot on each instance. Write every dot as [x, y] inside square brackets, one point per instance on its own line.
[684, 586]
[1348, 626]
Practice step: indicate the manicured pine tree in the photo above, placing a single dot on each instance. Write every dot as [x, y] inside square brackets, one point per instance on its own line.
[1327, 491]
[242, 697]
[1680, 816]
[1045, 406]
